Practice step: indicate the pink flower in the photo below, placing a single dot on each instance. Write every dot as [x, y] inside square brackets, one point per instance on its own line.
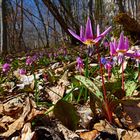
[113, 47]
[6, 67]
[119, 49]
[29, 61]
[123, 45]
[22, 71]
[108, 67]
[80, 64]
[87, 36]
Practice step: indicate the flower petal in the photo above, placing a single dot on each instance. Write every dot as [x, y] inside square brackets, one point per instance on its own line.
[106, 31]
[112, 48]
[75, 35]
[97, 39]
[82, 33]
[121, 45]
[98, 30]
[88, 33]
[126, 43]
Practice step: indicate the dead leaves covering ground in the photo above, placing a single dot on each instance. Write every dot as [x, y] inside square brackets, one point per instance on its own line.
[15, 114]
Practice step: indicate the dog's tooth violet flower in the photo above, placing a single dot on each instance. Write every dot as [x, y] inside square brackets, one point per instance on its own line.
[87, 37]
[5, 67]
[80, 64]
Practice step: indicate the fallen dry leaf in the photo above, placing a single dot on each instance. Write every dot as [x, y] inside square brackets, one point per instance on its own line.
[89, 135]
[105, 126]
[26, 133]
[1, 108]
[18, 124]
[13, 106]
[57, 92]
[131, 114]
[128, 135]
[7, 119]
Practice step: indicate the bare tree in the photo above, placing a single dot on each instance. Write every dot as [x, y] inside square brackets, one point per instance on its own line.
[61, 20]
[43, 22]
[4, 49]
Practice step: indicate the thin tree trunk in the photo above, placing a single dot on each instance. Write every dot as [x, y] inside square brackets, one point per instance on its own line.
[121, 6]
[43, 23]
[54, 10]
[39, 35]
[4, 48]
[21, 25]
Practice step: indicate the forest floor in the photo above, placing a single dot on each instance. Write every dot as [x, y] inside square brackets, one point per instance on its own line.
[50, 95]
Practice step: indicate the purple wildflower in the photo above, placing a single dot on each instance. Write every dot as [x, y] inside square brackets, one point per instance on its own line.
[119, 49]
[80, 64]
[35, 57]
[123, 45]
[108, 66]
[29, 61]
[22, 71]
[87, 37]
[113, 47]
[103, 60]
[106, 44]
[6, 67]
[136, 56]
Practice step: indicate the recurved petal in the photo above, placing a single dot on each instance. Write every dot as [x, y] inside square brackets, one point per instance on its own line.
[88, 32]
[98, 30]
[97, 39]
[106, 31]
[81, 32]
[75, 35]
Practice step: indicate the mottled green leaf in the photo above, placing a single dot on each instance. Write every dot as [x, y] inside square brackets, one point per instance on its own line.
[130, 86]
[90, 86]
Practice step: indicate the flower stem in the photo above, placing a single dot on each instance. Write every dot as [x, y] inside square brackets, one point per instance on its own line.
[123, 76]
[108, 111]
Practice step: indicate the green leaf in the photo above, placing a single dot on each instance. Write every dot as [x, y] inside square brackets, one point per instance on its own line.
[67, 114]
[90, 86]
[130, 86]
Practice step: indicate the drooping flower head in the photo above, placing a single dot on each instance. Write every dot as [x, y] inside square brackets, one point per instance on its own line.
[107, 65]
[29, 61]
[137, 57]
[123, 45]
[35, 57]
[87, 36]
[5, 67]
[119, 49]
[22, 71]
[106, 44]
[134, 55]
[113, 47]
[103, 60]
[80, 64]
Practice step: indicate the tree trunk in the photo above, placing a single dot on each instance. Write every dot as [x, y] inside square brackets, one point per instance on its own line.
[121, 7]
[54, 10]
[4, 48]
[43, 23]
[21, 25]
